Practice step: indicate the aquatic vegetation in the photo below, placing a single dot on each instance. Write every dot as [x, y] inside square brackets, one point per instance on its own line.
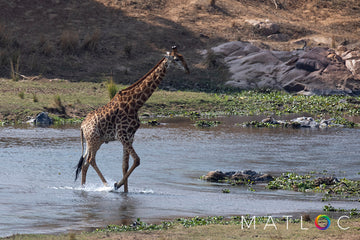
[344, 122]
[153, 123]
[225, 190]
[193, 114]
[292, 181]
[331, 186]
[206, 124]
[352, 212]
[258, 124]
[279, 103]
[64, 121]
[139, 225]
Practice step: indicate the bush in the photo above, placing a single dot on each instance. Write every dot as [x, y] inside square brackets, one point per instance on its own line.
[112, 89]
[22, 95]
[69, 41]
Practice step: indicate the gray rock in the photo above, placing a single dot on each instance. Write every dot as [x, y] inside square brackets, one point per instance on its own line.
[318, 71]
[264, 178]
[270, 120]
[282, 37]
[214, 176]
[306, 122]
[245, 176]
[267, 28]
[43, 120]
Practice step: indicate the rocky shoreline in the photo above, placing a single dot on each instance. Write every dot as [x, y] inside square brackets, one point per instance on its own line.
[316, 71]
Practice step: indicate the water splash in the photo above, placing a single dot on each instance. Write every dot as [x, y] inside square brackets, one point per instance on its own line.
[88, 188]
[102, 188]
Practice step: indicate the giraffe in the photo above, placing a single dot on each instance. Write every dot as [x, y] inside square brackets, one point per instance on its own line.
[118, 120]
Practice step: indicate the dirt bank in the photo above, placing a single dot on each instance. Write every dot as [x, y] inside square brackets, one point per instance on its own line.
[93, 39]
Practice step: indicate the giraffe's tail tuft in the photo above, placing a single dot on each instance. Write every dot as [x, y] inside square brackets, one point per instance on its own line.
[79, 166]
[81, 161]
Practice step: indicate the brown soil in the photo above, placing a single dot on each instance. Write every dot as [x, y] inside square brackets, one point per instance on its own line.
[90, 40]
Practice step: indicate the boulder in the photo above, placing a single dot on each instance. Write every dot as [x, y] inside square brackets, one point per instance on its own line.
[267, 28]
[325, 180]
[306, 122]
[240, 176]
[315, 59]
[280, 37]
[264, 28]
[243, 176]
[214, 176]
[264, 178]
[270, 120]
[320, 71]
[43, 120]
[352, 61]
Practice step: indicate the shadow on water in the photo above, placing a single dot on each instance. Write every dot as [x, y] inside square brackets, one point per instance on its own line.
[38, 192]
[121, 208]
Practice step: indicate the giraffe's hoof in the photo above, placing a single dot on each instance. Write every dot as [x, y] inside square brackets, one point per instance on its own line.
[116, 186]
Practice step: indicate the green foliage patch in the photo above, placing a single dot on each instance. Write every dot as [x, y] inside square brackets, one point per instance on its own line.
[331, 186]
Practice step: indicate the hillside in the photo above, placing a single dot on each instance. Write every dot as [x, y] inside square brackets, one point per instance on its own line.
[90, 40]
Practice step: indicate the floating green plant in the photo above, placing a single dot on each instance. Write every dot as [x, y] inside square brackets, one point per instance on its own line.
[225, 190]
[206, 124]
[139, 225]
[352, 212]
[331, 186]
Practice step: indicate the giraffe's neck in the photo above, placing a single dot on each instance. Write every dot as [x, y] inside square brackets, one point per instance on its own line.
[138, 93]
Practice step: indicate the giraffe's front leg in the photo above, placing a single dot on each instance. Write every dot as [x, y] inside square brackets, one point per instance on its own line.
[136, 163]
[125, 167]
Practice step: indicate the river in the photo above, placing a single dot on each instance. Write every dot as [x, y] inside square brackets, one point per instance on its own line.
[38, 193]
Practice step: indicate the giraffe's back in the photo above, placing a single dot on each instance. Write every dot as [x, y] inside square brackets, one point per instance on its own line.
[108, 124]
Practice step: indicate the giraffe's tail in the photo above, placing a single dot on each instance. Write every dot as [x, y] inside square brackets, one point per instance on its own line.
[81, 161]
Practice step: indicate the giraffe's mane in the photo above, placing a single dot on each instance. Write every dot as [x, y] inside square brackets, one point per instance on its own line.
[144, 77]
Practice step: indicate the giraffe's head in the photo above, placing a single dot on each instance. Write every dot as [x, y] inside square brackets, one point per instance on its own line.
[177, 59]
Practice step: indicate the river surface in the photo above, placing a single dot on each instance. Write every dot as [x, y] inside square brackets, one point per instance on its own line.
[38, 193]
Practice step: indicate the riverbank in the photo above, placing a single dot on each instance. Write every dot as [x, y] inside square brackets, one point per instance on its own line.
[71, 101]
[242, 227]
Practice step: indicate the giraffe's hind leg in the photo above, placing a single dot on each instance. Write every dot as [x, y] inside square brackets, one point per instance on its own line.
[93, 164]
[84, 170]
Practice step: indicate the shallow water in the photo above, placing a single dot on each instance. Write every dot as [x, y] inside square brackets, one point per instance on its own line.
[38, 193]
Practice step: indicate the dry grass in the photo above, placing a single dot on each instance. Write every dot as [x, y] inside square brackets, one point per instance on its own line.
[91, 41]
[86, 40]
[69, 41]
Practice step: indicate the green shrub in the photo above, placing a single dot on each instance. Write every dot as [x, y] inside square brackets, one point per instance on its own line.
[21, 95]
[112, 89]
